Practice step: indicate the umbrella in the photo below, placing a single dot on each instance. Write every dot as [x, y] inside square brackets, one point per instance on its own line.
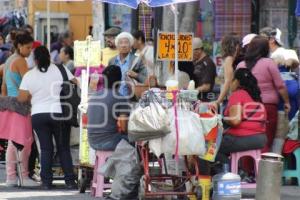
[156, 3]
[152, 3]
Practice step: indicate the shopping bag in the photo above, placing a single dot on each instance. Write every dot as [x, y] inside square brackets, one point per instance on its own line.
[149, 121]
[282, 125]
[190, 136]
[213, 143]
[293, 133]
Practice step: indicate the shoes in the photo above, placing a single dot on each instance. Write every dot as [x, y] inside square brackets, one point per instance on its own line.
[45, 186]
[71, 185]
[35, 177]
[11, 183]
[27, 182]
[248, 179]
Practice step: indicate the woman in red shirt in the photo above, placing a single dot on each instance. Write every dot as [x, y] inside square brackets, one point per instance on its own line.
[246, 116]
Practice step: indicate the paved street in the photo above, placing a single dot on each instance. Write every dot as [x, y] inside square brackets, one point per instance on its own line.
[35, 194]
[288, 193]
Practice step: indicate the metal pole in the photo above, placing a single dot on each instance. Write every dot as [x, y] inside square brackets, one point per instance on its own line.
[176, 40]
[48, 25]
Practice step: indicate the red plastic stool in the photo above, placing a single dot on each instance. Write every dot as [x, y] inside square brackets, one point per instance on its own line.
[235, 157]
[98, 185]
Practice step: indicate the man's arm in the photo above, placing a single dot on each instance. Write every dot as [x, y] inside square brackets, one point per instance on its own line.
[204, 87]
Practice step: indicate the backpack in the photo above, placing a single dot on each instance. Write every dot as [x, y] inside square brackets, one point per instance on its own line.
[69, 99]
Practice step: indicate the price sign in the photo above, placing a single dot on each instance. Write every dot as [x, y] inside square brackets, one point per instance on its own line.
[166, 46]
[81, 53]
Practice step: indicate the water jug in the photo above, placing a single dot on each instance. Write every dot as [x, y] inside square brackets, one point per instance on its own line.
[226, 185]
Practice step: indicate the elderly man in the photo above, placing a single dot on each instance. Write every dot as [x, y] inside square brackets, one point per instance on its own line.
[132, 69]
[204, 70]
[110, 50]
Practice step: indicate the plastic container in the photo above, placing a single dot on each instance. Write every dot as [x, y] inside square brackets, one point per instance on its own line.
[205, 184]
[191, 85]
[172, 85]
[226, 185]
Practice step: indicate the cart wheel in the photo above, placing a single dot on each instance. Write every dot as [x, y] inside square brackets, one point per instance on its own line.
[82, 185]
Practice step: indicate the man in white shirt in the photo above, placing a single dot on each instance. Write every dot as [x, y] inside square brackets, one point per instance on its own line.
[275, 43]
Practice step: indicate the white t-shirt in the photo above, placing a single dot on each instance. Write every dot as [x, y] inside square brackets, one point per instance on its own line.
[45, 89]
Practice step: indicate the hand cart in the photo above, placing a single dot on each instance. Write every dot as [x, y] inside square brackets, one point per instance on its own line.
[163, 184]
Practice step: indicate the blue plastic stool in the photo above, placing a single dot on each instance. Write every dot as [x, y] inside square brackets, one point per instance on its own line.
[288, 173]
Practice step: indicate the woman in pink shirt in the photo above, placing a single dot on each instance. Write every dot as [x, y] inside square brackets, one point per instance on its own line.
[269, 81]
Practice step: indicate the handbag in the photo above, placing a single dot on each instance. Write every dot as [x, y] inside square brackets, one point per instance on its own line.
[69, 99]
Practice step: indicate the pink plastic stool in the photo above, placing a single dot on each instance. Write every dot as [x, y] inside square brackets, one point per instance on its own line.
[98, 184]
[235, 157]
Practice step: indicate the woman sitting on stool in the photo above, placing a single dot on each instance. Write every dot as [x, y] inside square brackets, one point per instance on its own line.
[246, 116]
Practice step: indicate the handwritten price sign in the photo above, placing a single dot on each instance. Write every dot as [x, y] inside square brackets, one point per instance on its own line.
[166, 46]
[81, 53]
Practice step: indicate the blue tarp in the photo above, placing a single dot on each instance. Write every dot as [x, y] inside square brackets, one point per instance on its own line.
[152, 3]
[297, 12]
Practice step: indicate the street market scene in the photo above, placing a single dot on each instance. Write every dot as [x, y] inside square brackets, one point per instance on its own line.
[149, 99]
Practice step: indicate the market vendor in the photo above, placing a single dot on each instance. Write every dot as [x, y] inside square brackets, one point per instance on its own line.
[245, 115]
[107, 113]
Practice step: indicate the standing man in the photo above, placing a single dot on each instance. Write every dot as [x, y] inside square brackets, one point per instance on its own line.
[275, 43]
[110, 50]
[144, 52]
[204, 71]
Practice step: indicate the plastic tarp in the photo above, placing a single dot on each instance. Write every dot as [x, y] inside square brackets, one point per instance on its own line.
[123, 166]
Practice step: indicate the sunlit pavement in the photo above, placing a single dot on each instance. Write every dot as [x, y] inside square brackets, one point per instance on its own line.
[287, 192]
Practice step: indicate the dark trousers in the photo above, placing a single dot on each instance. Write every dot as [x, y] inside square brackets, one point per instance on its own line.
[32, 159]
[46, 127]
[231, 144]
[271, 126]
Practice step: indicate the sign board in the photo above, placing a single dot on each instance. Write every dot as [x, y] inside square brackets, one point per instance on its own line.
[166, 46]
[217, 55]
[81, 51]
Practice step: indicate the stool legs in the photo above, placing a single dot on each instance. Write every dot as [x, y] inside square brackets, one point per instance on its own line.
[98, 184]
[290, 173]
[235, 157]
[100, 180]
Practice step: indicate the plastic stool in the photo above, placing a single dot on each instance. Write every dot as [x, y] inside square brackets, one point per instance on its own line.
[98, 184]
[235, 157]
[295, 173]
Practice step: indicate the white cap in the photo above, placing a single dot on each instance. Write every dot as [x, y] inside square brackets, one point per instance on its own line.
[248, 38]
[197, 43]
[277, 37]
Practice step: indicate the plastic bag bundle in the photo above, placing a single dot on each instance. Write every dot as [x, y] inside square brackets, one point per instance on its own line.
[149, 120]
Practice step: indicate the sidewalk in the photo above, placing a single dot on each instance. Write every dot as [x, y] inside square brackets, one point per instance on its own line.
[287, 192]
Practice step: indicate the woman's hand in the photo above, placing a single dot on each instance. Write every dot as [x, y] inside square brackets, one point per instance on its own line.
[214, 105]
[287, 108]
[122, 123]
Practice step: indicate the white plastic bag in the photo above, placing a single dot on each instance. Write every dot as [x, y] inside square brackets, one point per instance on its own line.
[149, 122]
[191, 139]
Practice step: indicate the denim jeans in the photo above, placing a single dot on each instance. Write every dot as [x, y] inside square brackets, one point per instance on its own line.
[47, 127]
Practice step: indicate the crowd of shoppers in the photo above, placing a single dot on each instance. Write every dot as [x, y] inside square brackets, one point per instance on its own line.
[252, 91]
